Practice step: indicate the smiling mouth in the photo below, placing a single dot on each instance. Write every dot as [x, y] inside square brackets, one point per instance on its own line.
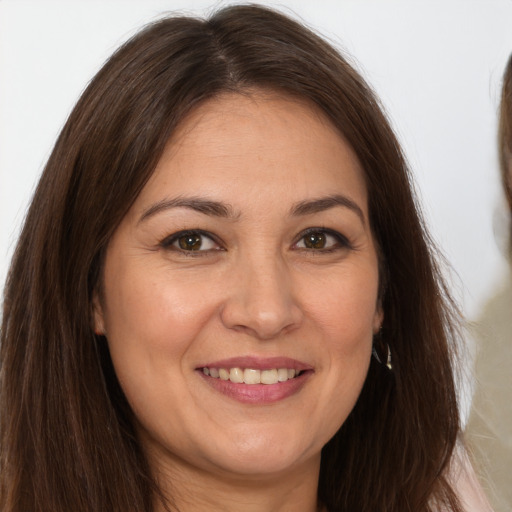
[252, 376]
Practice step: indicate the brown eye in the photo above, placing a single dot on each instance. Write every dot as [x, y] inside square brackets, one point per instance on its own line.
[315, 240]
[190, 242]
[322, 240]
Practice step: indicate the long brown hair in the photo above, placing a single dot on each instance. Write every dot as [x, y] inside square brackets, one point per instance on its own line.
[67, 439]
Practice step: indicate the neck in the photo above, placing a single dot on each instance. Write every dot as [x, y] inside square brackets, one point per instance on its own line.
[190, 490]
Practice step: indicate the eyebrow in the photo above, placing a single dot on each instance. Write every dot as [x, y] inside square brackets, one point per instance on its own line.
[199, 204]
[321, 204]
[223, 210]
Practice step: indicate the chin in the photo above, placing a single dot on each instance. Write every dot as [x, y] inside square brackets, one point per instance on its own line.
[268, 457]
[262, 465]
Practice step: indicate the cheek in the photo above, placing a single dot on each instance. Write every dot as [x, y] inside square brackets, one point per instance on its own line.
[144, 301]
[150, 318]
[345, 306]
[348, 324]
[153, 324]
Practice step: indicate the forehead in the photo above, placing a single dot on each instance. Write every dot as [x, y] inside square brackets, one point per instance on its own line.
[263, 143]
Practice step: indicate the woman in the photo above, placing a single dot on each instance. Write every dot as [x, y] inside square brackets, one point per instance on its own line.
[223, 235]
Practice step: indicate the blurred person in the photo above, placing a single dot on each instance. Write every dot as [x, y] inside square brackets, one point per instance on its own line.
[489, 428]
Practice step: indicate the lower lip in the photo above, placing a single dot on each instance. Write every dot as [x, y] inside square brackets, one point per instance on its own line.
[258, 393]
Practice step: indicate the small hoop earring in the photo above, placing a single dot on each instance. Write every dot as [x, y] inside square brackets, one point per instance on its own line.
[388, 363]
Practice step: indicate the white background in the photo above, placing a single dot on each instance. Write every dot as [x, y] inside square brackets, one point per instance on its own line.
[436, 65]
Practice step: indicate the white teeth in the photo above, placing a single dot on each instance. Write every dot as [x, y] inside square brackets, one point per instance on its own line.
[236, 375]
[282, 375]
[252, 376]
[269, 377]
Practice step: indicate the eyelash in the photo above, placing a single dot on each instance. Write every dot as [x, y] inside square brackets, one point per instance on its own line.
[169, 242]
[342, 241]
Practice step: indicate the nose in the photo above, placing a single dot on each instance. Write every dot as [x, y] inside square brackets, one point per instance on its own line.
[260, 300]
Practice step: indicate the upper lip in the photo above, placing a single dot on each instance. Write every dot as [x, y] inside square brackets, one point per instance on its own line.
[258, 363]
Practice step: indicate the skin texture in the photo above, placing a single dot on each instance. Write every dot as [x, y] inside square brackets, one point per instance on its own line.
[254, 290]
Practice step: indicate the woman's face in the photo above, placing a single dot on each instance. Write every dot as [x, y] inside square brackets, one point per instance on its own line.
[239, 293]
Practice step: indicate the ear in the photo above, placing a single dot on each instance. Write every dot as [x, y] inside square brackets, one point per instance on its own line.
[378, 319]
[98, 316]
